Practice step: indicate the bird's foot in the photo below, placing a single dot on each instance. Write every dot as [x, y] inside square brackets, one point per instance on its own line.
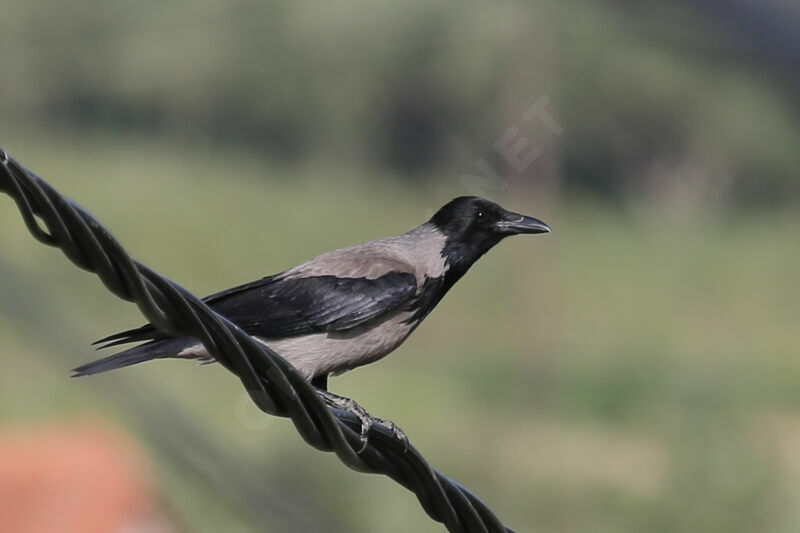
[398, 433]
[366, 419]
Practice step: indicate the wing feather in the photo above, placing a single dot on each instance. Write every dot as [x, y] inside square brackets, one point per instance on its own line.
[278, 307]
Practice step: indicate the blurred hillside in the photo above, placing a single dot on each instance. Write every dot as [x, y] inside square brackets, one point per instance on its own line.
[685, 98]
[638, 370]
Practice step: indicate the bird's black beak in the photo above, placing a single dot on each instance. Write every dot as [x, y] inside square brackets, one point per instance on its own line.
[515, 224]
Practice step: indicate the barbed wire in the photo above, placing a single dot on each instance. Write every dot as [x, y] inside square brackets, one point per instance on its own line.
[272, 383]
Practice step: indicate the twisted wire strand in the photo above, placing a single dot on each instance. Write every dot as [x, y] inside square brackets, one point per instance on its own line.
[272, 383]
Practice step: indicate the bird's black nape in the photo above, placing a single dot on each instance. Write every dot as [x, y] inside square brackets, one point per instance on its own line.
[461, 214]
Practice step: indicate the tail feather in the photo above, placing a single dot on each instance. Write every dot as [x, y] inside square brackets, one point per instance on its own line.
[137, 354]
[144, 333]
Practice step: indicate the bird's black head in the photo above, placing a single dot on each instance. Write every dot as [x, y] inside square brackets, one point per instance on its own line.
[473, 225]
[470, 226]
[471, 219]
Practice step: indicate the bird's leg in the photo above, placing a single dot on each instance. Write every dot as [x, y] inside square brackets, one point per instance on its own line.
[346, 404]
[367, 420]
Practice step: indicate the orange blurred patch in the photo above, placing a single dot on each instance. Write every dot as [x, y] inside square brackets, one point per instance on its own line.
[79, 478]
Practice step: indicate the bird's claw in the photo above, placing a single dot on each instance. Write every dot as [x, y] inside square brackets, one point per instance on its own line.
[366, 419]
[398, 433]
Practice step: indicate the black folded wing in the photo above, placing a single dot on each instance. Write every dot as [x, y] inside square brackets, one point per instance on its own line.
[276, 307]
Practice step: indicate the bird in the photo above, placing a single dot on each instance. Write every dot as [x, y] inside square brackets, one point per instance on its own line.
[345, 308]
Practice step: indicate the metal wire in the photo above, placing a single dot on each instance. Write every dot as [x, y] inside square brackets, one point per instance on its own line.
[272, 383]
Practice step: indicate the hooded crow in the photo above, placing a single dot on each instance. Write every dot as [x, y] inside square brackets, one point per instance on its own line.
[345, 308]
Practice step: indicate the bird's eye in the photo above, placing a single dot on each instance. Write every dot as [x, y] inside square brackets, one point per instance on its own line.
[480, 215]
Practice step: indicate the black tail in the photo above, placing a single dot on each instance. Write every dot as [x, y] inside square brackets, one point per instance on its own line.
[138, 354]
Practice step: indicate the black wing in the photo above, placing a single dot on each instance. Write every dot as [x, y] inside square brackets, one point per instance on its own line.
[275, 307]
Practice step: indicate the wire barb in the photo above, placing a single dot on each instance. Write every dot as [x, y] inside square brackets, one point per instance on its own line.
[272, 383]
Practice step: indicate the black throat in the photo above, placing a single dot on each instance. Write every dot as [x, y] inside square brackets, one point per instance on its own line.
[459, 257]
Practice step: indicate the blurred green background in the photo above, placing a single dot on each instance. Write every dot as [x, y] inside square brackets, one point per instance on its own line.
[638, 370]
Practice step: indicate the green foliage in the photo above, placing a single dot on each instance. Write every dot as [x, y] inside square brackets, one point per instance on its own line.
[656, 101]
